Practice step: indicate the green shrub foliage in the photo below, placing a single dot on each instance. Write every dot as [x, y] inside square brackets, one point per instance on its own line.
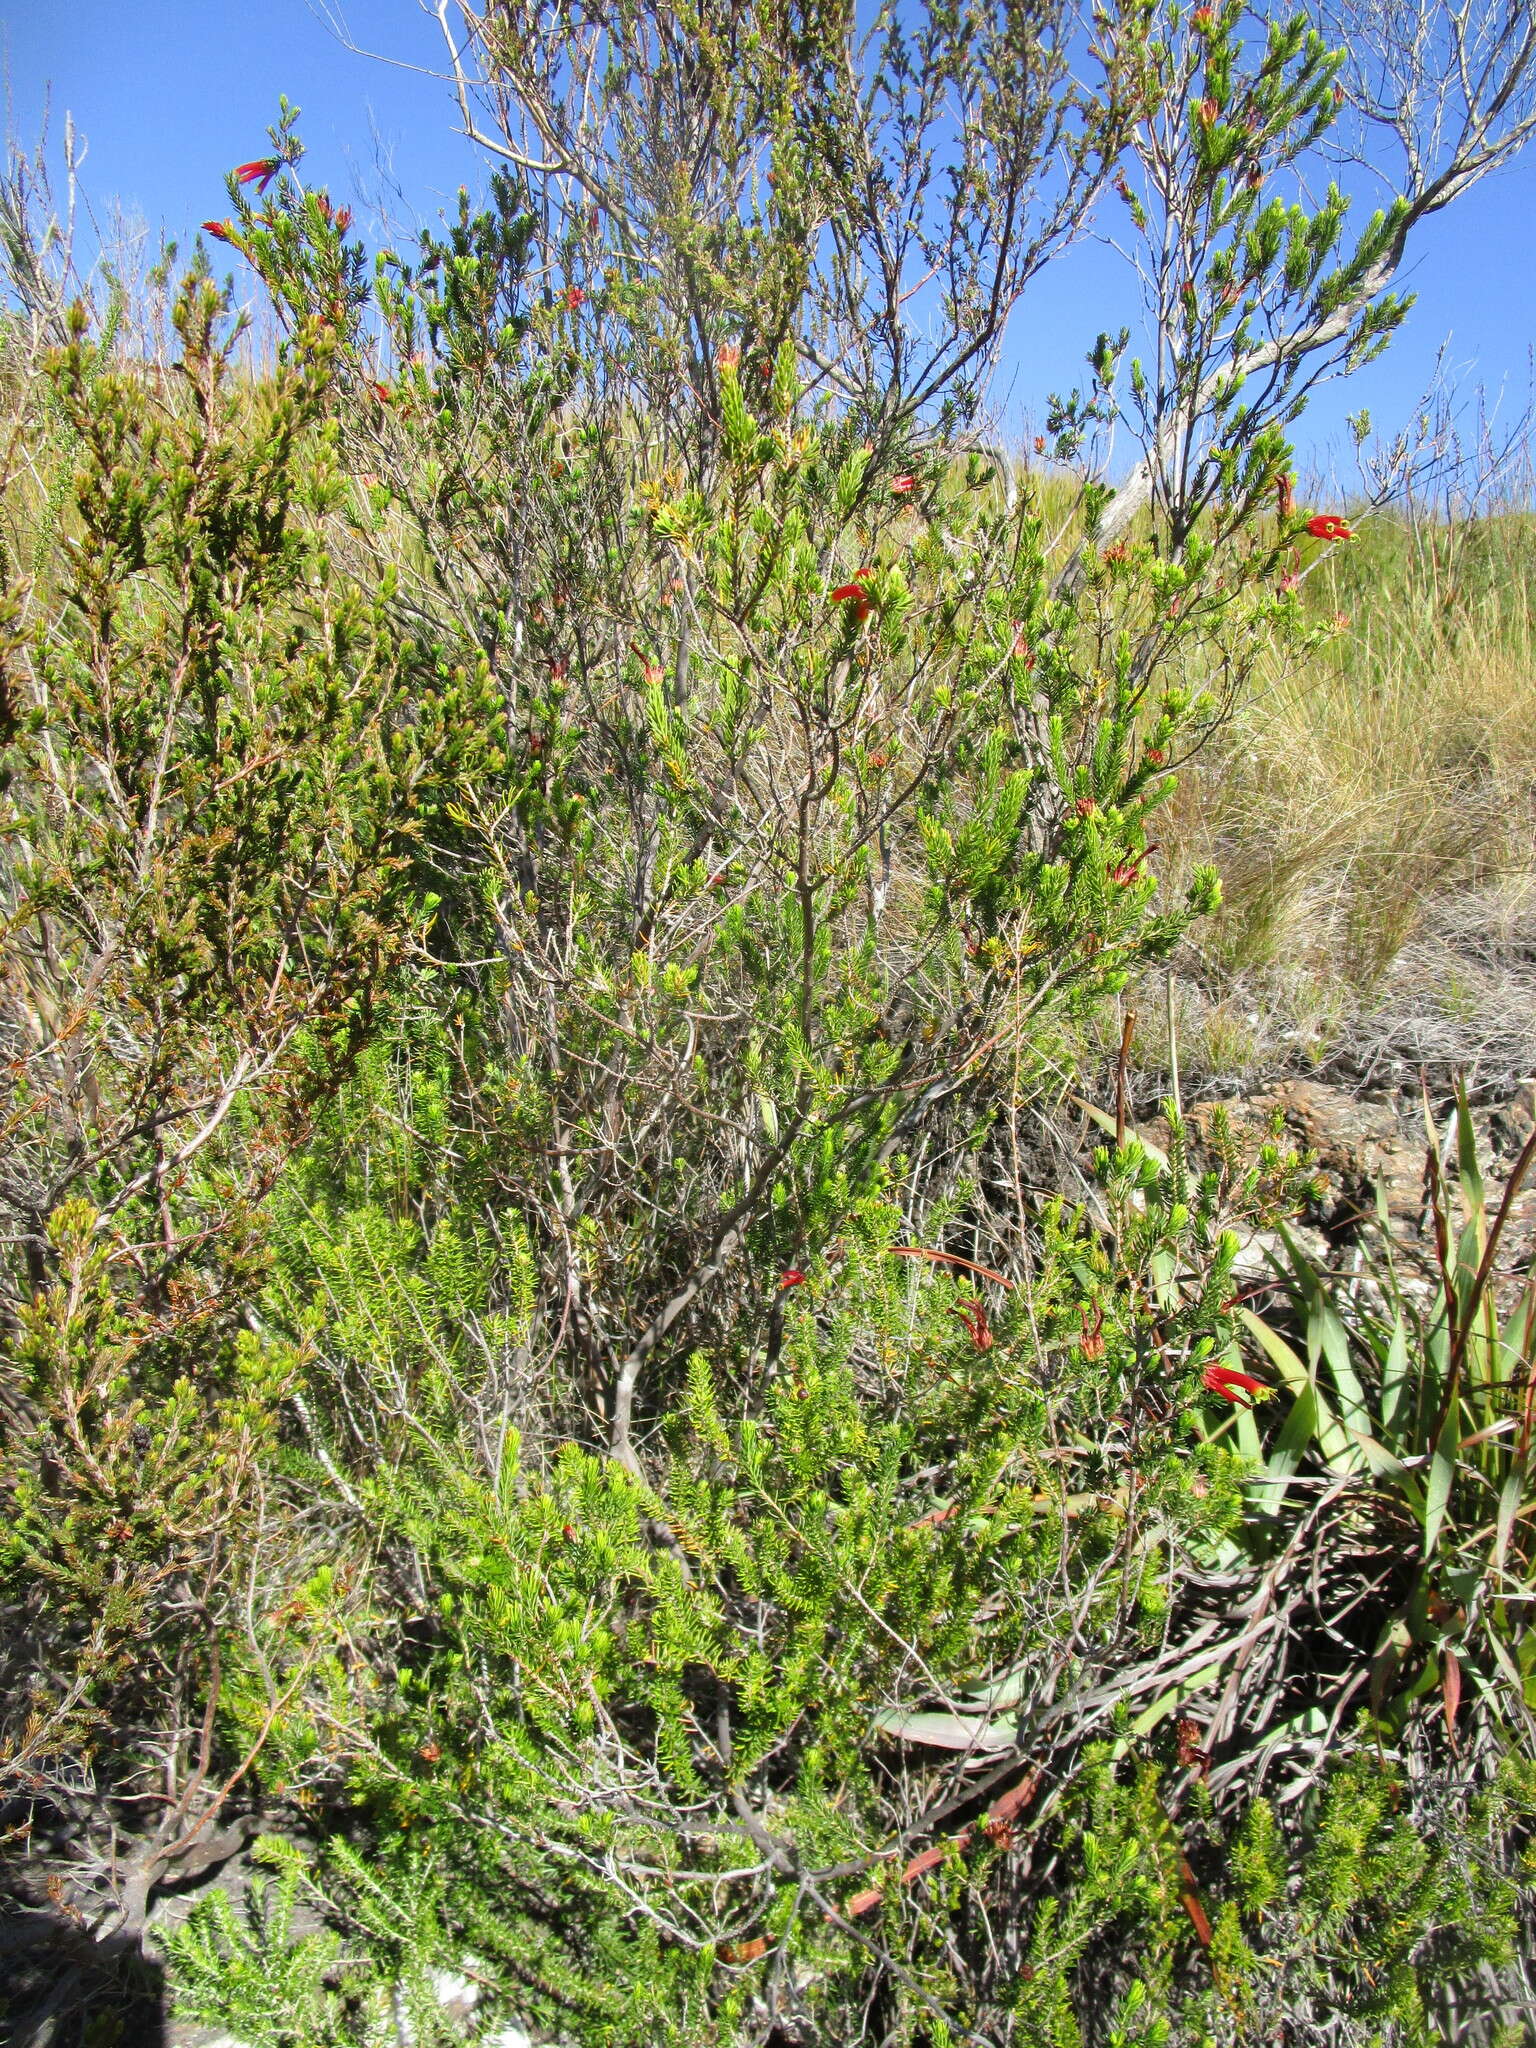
[573, 1373]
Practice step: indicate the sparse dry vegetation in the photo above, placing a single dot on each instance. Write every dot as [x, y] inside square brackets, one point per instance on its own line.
[1371, 812]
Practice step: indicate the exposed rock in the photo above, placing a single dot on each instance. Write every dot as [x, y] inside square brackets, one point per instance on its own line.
[1512, 1123]
[456, 1994]
[1361, 1145]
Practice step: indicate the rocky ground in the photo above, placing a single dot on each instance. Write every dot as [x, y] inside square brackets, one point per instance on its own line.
[1371, 1158]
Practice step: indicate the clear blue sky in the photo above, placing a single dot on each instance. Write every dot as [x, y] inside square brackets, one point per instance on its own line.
[169, 94]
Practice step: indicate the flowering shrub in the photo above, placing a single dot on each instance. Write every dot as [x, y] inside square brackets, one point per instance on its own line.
[562, 1393]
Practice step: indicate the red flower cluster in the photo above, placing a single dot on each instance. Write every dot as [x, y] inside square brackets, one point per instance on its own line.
[977, 1328]
[260, 173]
[1231, 1384]
[857, 595]
[572, 297]
[1329, 526]
[903, 486]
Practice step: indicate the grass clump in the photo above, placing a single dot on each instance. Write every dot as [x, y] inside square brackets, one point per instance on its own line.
[1370, 811]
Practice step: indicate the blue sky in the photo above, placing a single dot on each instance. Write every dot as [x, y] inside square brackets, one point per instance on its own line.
[170, 93]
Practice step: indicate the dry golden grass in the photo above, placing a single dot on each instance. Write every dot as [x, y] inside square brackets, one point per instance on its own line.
[1360, 806]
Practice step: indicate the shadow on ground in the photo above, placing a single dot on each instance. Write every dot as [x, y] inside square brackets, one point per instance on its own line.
[58, 1990]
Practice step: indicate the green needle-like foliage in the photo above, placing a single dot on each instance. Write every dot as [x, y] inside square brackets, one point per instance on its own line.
[568, 1370]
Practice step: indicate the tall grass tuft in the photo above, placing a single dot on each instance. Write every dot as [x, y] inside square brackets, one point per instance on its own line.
[1354, 803]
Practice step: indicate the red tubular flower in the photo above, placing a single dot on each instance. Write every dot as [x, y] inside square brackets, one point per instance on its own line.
[854, 593]
[791, 1277]
[219, 229]
[1329, 526]
[977, 1328]
[1209, 111]
[1203, 19]
[903, 486]
[1285, 495]
[343, 220]
[728, 358]
[260, 173]
[1231, 1384]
